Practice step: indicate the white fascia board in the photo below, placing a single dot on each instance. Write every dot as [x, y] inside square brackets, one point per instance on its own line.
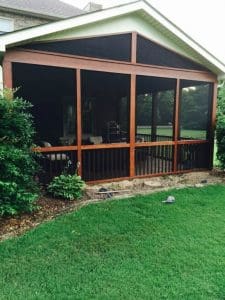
[42, 30]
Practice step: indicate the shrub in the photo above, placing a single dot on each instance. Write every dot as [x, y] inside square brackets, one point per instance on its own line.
[220, 137]
[14, 199]
[18, 190]
[220, 129]
[65, 186]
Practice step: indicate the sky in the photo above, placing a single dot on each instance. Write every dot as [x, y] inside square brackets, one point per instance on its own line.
[203, 20]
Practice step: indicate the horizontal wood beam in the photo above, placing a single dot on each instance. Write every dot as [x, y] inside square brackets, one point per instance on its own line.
[154, 144]
[117, 145]
[189, 142]
[168, 143]
[105, 146]
[55, 149]
[87, 63]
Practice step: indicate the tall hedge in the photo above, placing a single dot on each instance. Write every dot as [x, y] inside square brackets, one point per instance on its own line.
[18, 190]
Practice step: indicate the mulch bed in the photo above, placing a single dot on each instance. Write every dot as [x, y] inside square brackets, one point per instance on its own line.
[48, 209]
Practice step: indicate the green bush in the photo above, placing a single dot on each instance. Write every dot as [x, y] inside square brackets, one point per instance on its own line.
[220, 137]
[18, 189]
[65, 186]
[14, 199]
[220, 128]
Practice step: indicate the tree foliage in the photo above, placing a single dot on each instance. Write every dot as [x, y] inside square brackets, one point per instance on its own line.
[17, 163]
[195, 107]
[164, 110]
[220, 129]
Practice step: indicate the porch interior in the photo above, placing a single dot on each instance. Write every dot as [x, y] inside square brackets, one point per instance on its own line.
[105, 120]
[105, 105]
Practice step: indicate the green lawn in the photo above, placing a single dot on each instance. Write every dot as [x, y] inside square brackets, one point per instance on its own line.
[131, 249]
[168, 131]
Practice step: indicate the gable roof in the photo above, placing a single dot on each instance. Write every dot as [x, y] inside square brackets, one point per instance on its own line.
[141, 8]
[52, 9]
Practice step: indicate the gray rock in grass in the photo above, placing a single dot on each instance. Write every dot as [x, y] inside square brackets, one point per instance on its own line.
[169, 200]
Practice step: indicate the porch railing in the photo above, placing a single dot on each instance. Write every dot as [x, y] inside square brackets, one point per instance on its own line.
[53, 163]
[104, 162]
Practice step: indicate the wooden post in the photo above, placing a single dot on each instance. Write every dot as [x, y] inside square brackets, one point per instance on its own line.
[7, 74]
[132, 124]
[79, 120]
[134, 47]
[154, 116]
[176, 125]
[133, 105]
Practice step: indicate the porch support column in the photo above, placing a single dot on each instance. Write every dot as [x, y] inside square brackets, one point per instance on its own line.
[154, 116]
[133, 105]
[132, 124]
[134, 47]
[79, 128]
[7, 74]
[176, 127]
[212, 127]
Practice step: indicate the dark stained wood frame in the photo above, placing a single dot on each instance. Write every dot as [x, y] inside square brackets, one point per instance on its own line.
[55, 149]
[97, 64]
[176, 124]
[132, 124]
[7, 73]
[78, 117]
[154, 116]
[132, 68]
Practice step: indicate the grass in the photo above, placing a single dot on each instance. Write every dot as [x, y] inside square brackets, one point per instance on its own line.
[137, 248]
[168, 131]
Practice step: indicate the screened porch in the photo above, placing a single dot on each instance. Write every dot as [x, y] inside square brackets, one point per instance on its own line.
[120, 114]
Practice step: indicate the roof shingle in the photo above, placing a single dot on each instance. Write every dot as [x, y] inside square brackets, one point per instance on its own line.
[52, 8]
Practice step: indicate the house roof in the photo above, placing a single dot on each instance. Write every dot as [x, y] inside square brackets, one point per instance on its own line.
[52, 9]
[140, 8]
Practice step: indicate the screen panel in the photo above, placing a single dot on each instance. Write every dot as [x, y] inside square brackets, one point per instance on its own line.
[195, 108]
[152, 53]
[52, 92]
[115, 47]
[105, 107]
[154, 108]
